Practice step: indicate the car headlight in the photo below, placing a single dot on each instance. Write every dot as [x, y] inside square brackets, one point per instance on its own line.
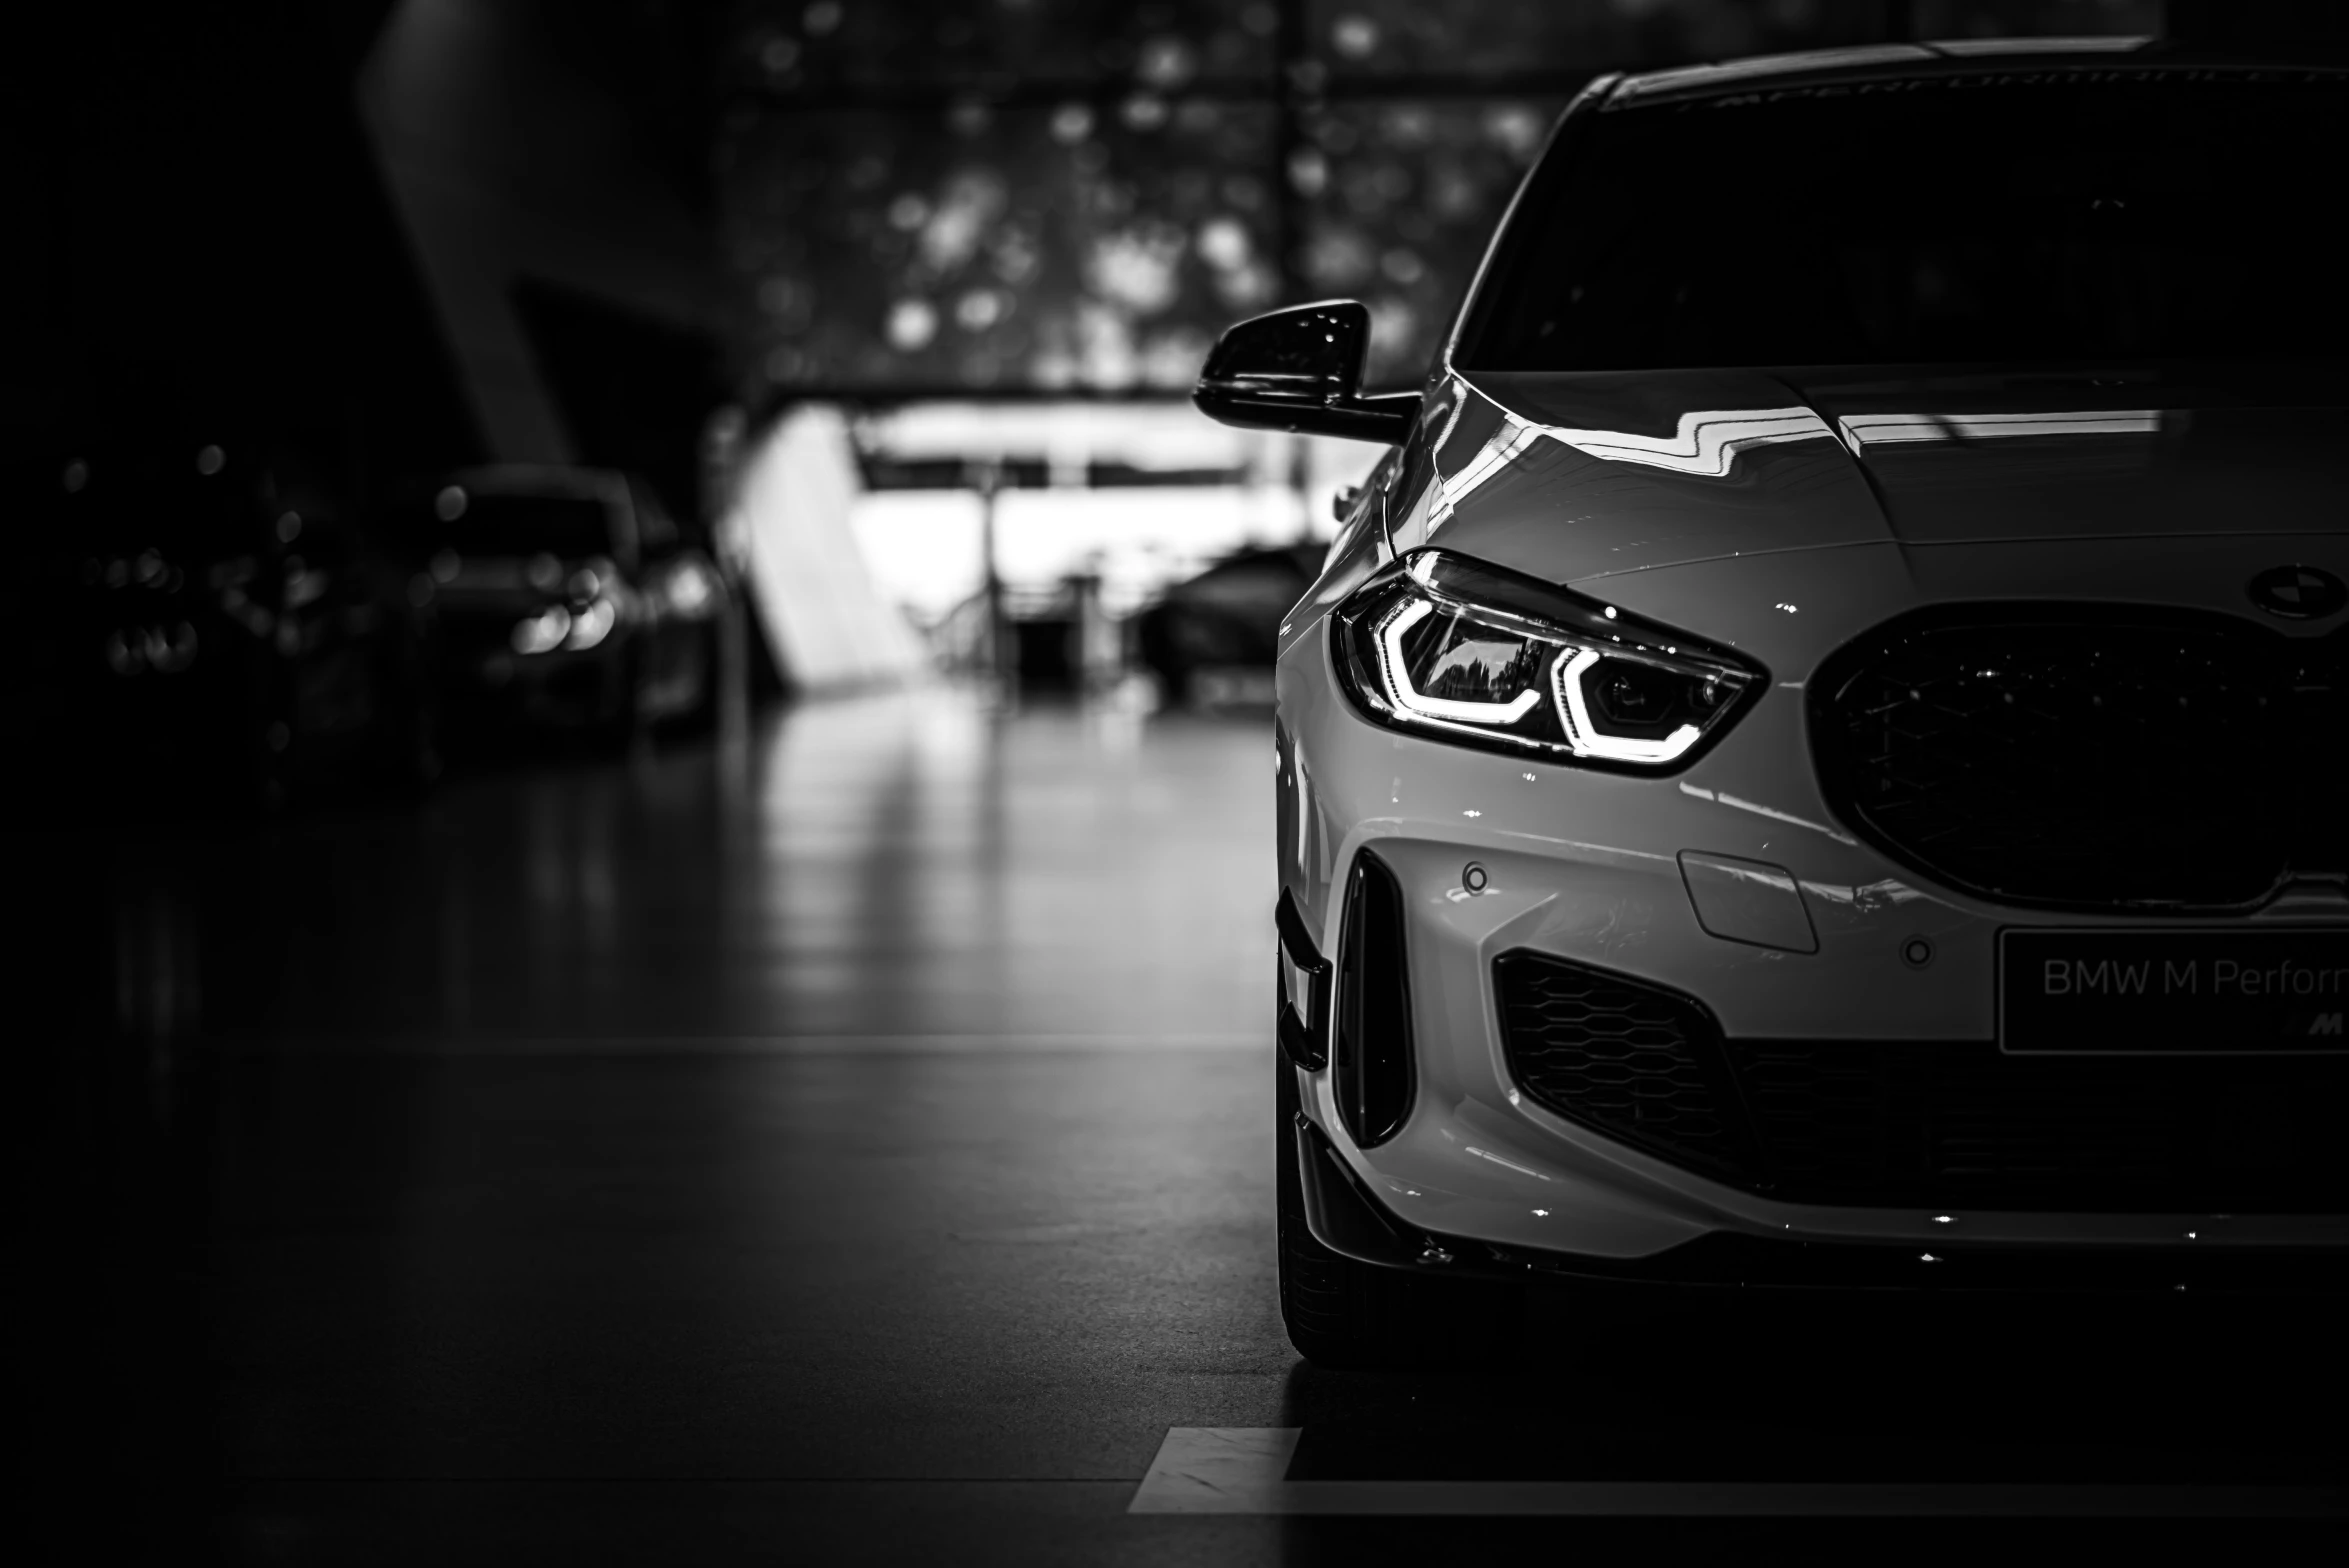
[573, 629]
[1451, 648]
[543, 632]
[592, 624]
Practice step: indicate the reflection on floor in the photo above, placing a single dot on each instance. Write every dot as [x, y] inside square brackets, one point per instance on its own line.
[903, 865]
[851, 1144]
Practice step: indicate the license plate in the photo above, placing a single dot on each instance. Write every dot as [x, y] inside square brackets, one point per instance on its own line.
[2209, 992]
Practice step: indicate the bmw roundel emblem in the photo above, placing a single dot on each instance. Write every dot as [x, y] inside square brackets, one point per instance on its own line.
[2299, 593]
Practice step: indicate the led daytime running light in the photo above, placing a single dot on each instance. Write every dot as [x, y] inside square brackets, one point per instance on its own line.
[1584, 736]
[1564, 675]
[1390, 641]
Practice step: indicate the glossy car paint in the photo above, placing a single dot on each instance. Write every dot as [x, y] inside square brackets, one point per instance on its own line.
[1779, 516]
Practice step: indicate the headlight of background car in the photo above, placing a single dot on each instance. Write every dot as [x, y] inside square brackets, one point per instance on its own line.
[1443, 645]
[587, 620]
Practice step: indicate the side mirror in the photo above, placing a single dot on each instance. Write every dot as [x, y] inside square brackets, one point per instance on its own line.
[1301, 369]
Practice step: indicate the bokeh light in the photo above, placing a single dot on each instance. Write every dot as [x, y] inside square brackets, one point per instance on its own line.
[1059, 197]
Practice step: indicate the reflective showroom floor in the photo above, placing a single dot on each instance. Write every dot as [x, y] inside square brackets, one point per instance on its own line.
[851, 1142]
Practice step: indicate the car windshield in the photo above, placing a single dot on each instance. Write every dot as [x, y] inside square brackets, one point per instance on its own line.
[508, 525]
[2012, 217]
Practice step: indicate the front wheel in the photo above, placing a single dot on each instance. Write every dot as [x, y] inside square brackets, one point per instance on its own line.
[1343, 1313]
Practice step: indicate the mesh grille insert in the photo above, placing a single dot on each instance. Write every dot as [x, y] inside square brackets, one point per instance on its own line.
[1901, 1123]
[1632, 1061]
[2091, 759]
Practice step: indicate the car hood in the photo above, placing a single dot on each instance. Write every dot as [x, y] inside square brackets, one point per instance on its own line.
[1572, 477]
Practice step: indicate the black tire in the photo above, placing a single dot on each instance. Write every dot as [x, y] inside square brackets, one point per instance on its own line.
[1355, 1316]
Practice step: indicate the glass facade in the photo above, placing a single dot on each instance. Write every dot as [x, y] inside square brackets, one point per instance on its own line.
[1054, 196]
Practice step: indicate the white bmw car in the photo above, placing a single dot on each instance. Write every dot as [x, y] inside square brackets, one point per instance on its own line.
[1821, 757]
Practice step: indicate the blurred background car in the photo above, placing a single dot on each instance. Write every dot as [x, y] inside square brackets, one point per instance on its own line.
[1029, 541]
[562, 597]
[212, 633]
[1210, 639]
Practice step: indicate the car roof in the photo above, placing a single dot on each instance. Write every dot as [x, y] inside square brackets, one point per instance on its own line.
[1957, 57]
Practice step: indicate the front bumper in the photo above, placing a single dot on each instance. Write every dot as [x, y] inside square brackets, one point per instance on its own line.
[481, 679]
[1345, 1217]
[1587, 868]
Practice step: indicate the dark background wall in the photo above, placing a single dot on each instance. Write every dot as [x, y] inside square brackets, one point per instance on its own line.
[202, 246]
[209, 239]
